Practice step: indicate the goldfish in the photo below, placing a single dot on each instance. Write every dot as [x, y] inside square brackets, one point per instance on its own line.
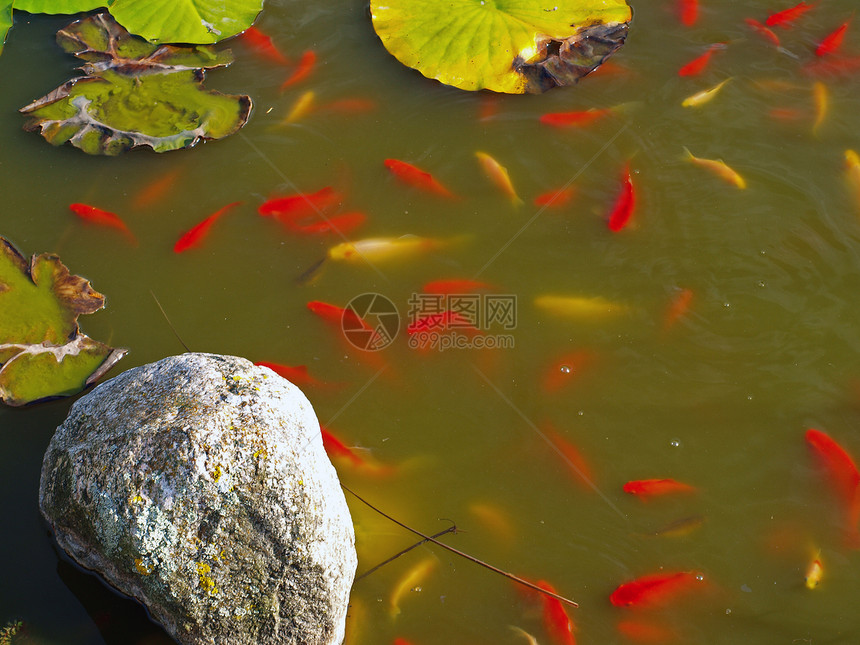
[654, 487]
[698, 64]
[301, 108]
[572, 457]
[297, 375]
[292, 207]
[101, 217]
[677, 308]
[303, 69]
[625, 203]
[705, 96]
[499, 176]
[263, 45]
[852, 164]
[832, 41]
[346, 318]
[555, 198]
[814, 572]
[334, 447]
[681, 527]
[844, 477]
[342, 223]
[493, 518]
[575, 118]
[689, 11]
[654, 589]
[566, 369]
[785, 17]
[763, 31]
[410, 582]
[646, 632]
[840, 66]
[379, 249]
[556, 621]
[580, 307]
[719, 168]
[821, 98]
[488, 108]
[454, 286]
[414, 176]
[156, 190]
[194, 236]
[785, 114]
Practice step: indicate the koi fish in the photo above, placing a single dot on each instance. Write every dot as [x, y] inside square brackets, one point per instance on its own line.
[821, 98]
[625, 203]
[156, 190]
[698, 64]
[194, 236]
[342, 223]
[580, 307]
[565, 370]
[334, 447]
[763, 31]
[852, 164]
[301, 108]
[572, 457]
[677, 308]
[719, 168]
[654, 487]
[414, 176]
[689, 12]
[844, 477]
[496, 520]
[576, 118]
[346, 318]
[499, 176]
[379, 249]
[785, 17]
[292, 207]
[832, 41]
[303, 69]
[646, 632]
[814, 572]
[556, 621]
[447, 287]
[101, 217]
[263, 45]
[555, 198]
[410, 582]
[654, 589]
[705, 96]
[297, 375]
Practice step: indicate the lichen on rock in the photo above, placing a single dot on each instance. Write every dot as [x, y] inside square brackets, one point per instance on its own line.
[199, 485]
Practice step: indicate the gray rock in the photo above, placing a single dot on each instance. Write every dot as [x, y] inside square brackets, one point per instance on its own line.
[199, 485]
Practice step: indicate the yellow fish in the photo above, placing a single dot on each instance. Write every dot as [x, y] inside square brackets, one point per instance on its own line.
[410, 582]
[719, 168]
[301, 108]
[380, 249]
[498, 174]
[700, 98]
[814, 572]
[822, 100]
[852, 164]
[580, 307]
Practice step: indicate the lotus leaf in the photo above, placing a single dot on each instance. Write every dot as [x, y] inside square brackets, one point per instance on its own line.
[42, 352]
[5, 21]
[512, 46]
[134, 94]
[58, 6]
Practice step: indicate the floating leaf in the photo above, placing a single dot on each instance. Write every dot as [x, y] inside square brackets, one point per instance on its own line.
[513, 46]
[42, 352]
[5, 21]
[135, 94]
[186, 21]
[58, 6]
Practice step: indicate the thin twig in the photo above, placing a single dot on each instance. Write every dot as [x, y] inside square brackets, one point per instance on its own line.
[450, 529]
[429, 538]
[163, 313]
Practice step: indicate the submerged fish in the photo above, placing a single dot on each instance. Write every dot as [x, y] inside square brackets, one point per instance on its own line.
[101, 217]
[303, 69]
[580, 307]
[844, 478]
[410, 582]
[195, 235]
[814, 572]
[625, 203]
[717, 167]
[654, 487]
[832, 41]
[381, 249]
[785, 17]
[655, 589]
[700, 98]
[499, 176]
[414, 176]
[263, 45]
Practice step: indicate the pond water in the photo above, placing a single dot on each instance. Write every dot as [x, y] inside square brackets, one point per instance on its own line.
[719, 397]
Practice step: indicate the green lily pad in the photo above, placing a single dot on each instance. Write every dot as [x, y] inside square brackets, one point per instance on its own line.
[42, 352]
[58, 6]
[135, 94]
[186, 21]
[5, 22]
[512, 46]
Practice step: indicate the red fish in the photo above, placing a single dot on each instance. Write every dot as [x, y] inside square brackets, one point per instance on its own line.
[102, 218]
[688, 11]
[832, 41]
[341, 223]
[648, 633]
[622, 211]
[555, 198]
[297, 375]
[571, 456]
[677, 308]
[843, 475]
[785, 17]
[263, 45]
[414, 176]
[763, 31]
[194, 236]
[575, 118]
[334, 447]
[698, 64]
[655, 589]
[653, 487]
[155, 191]
[566, 370]
[292, 207]
[833, 66]
[346, 318]
[447, 287]
[303, 69]
[555, 619]
[489, 107]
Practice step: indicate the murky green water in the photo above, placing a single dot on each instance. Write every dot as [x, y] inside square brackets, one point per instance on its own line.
[768, 348]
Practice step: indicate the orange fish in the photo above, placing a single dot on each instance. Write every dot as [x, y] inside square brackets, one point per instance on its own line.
[263, 45]
[843, 475]
[688, 11]
[155, 191]
[832, 41]
[566, 370]
[194, 236]
[698, 64]
[414, 176]
[292, 207]
[303, 69]
[646, 632]
[575, 118]
[677, 308]
[297, 375]
[498, 175]
[101, 217]
[571, 456]
[301, 108]
[786, 114]
[763, 31]
[342, 223]
[447, 287]
[833, 66]
[654, 589]
[556, 621]
[346, 318]
[555, 198]
[654, 487]
[334, 447]
[489, 107]
[785, 17]
[622, 211]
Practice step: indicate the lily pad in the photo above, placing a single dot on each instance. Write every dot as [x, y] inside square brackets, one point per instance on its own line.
[512, 46]
[42, 352]
[135, 94]
[5, 21]
[58, 6]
